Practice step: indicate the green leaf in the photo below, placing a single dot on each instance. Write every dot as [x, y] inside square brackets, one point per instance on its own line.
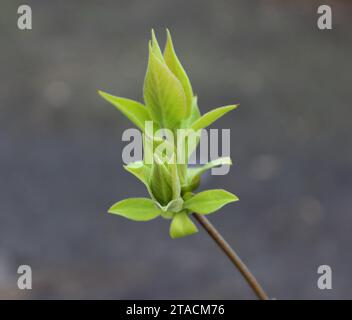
[176, 68]
[137, 209]
[208, 118]
[186, 124]
[176, 184]
[182, 225]
[195, 114]
[160, 184]
[155, 47]
[171, 208]
[139, 170]
[163, 94]
[174, 205]
[194, 174]
[209, 201]
[150, 144]
[167, 214]
[133, 110]
[164, 182]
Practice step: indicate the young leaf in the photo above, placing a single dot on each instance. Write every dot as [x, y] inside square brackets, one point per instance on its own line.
[133, 110]
[186, 124]
[174, 205]
[209, 201]
[171, 208]
[167, 214]
[194, 174]
[163, 94]
[139, 170]
[160, 184]
[155, 47]
[137, 209]
[211, 116]
[195, 114]
[163, 181]
[176, 68]
[182, 225]
[176, 184]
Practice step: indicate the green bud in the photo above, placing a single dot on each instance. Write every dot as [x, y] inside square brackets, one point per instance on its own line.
[164, 181]
[176, 68]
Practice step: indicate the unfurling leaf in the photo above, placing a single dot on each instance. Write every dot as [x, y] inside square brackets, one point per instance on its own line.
[139, 170]
[174, 205]
[163, 93]
[176, 68]
[133, 110]
[164, 181]
[194, 174]
[160, 183]
[142, 172]
[209, 201]
[155, 47]
[137, 209]
[182, 225]
[195, 114]
[191, 141]
[208, 118]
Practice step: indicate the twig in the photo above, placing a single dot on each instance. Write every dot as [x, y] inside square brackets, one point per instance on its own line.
[236, 260]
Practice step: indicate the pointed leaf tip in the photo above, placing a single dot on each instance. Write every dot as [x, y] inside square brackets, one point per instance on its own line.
[177, 69]
[208, 118]
[163, 94]
[133, 110]
[155, 46]
[194, 174]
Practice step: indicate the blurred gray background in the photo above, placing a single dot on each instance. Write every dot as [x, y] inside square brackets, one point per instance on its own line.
[60, 148]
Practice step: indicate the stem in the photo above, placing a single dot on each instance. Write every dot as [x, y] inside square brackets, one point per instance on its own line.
[236, 260]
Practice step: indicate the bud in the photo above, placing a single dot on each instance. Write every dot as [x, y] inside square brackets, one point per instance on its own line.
[164, 181]
[167, 91]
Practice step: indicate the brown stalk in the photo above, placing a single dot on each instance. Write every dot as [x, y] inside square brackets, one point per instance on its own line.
[235, 259]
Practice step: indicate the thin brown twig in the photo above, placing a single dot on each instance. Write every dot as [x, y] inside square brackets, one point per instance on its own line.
[236, 260]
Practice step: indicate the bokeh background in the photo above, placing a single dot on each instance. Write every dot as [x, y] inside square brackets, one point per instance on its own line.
[60, 148]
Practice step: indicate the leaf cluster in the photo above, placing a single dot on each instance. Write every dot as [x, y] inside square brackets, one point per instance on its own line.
[169, 103]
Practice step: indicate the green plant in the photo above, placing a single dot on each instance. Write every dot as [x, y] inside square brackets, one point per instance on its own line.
[170, 104]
